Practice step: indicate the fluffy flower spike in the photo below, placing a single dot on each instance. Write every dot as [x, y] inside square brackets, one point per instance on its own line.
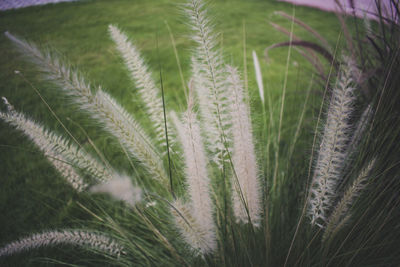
[200, 209]
[148, 91]
[341, 212]
[210, 82]
[332, 151]
[245, 185]
[99, 105]
[79, 238]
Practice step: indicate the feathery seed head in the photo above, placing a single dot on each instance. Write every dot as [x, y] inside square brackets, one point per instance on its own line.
[341, 213]
[53, 147]
[100, 106]
[245, 185]
[195, 234]
[148, 91]
[209, 79]
[57, 148]
[361, 125]
[332, 152]
[131, 135]
[201, 212]
[79, 238]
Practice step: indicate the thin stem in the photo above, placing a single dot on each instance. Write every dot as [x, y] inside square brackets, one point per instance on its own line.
[274, 185]
[165, 125]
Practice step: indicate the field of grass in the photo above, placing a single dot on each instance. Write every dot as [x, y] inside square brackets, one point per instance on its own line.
[32, 196]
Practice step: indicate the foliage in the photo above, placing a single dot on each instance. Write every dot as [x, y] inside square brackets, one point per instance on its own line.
[210, 200]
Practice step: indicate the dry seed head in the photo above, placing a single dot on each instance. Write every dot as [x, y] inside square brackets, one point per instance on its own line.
[79, 238]
[332, 152]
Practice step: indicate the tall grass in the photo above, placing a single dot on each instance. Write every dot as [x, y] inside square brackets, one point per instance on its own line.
[215, 201]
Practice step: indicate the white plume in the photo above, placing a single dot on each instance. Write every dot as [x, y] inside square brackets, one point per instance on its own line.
[209, 79]
[120, 188]
[100, 106]
[198, 183]
[79, 238]
[332, 152]
[245, 185]
[149, 93]
[342, 209]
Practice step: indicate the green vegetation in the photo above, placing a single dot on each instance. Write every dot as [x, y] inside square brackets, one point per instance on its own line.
[33, 197]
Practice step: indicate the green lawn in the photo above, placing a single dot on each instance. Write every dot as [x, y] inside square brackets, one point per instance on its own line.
[32, 196]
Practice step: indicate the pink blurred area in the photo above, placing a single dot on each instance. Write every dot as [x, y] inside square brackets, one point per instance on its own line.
[14, 4]
[361, 8]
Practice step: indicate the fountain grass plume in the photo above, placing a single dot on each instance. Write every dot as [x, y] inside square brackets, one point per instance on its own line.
[332, 151]
[360, 127]
[99, 105]
[215, 214]
[245, 184]
[50, 142]
[201, 240]
[81, 238]
[145, 85]
[209, 121]
[210, 76]
[121, 124]
[341, 213]
[198, 183]
[54, 147]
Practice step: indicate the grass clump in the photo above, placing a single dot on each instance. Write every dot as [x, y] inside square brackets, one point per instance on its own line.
[199, 192]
